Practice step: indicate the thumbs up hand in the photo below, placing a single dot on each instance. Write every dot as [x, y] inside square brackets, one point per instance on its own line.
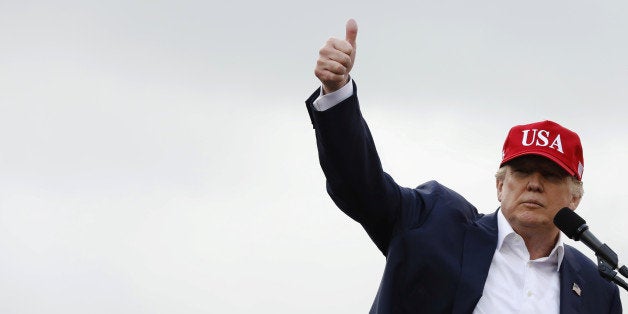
[336, 59]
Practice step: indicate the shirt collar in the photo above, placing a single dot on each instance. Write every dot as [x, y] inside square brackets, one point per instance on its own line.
[504, 229]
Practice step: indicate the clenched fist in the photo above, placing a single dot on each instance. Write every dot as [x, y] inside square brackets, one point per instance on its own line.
[336, 59]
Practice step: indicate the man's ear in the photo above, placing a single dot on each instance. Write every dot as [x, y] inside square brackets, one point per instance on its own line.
[575, 201]
[499, 184]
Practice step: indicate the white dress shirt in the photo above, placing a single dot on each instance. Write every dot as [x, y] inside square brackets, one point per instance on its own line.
[516, 284]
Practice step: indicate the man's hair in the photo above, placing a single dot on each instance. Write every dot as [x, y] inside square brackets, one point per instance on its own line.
[576, 186]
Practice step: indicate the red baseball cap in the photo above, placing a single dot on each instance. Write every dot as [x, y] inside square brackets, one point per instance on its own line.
[548, 139]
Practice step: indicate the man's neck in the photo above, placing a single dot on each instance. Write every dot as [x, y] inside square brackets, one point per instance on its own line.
[539, 244]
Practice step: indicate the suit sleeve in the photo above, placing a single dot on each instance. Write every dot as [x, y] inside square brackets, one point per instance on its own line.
[356, 181]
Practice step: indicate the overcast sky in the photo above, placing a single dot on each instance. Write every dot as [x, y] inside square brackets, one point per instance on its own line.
[157, 157]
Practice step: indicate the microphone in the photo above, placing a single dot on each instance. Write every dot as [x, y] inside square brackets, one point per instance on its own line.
[576, 228]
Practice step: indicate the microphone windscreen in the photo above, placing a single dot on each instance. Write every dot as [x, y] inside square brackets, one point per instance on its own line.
[568, 222]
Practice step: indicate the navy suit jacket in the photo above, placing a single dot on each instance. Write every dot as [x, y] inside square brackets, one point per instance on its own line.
[438, 247]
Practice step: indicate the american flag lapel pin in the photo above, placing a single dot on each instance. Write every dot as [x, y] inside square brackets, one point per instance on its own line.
[576, 289]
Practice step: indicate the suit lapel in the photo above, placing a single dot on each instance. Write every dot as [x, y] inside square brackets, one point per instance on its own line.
[571, 284]
[479, 246]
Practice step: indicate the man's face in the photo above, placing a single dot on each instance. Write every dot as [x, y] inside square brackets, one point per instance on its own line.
[533, 190]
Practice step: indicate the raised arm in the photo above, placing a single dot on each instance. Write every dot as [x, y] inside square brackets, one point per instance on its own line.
[355, 179]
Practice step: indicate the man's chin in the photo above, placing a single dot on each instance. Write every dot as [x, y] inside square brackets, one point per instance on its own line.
[530, 219]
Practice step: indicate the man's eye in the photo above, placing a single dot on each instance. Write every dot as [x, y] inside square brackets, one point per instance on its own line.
[553, 175]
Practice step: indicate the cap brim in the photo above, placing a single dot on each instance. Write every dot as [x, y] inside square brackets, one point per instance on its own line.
[542, 154]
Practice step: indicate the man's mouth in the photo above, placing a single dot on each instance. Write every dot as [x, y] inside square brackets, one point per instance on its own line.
[532, 203]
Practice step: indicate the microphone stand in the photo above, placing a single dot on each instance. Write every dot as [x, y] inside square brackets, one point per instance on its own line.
[607, 262]
[607, 272]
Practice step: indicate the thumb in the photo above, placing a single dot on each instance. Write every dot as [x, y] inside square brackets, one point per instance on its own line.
[352, 32]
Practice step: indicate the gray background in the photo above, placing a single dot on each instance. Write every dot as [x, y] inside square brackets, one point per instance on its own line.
[156, 156]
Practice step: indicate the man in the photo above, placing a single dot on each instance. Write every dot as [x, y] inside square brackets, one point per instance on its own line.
[442, 256]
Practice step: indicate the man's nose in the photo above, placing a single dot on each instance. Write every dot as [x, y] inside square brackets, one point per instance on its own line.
[535, 182]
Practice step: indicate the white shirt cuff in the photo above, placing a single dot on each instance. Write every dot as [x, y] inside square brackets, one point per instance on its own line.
[324, 102]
